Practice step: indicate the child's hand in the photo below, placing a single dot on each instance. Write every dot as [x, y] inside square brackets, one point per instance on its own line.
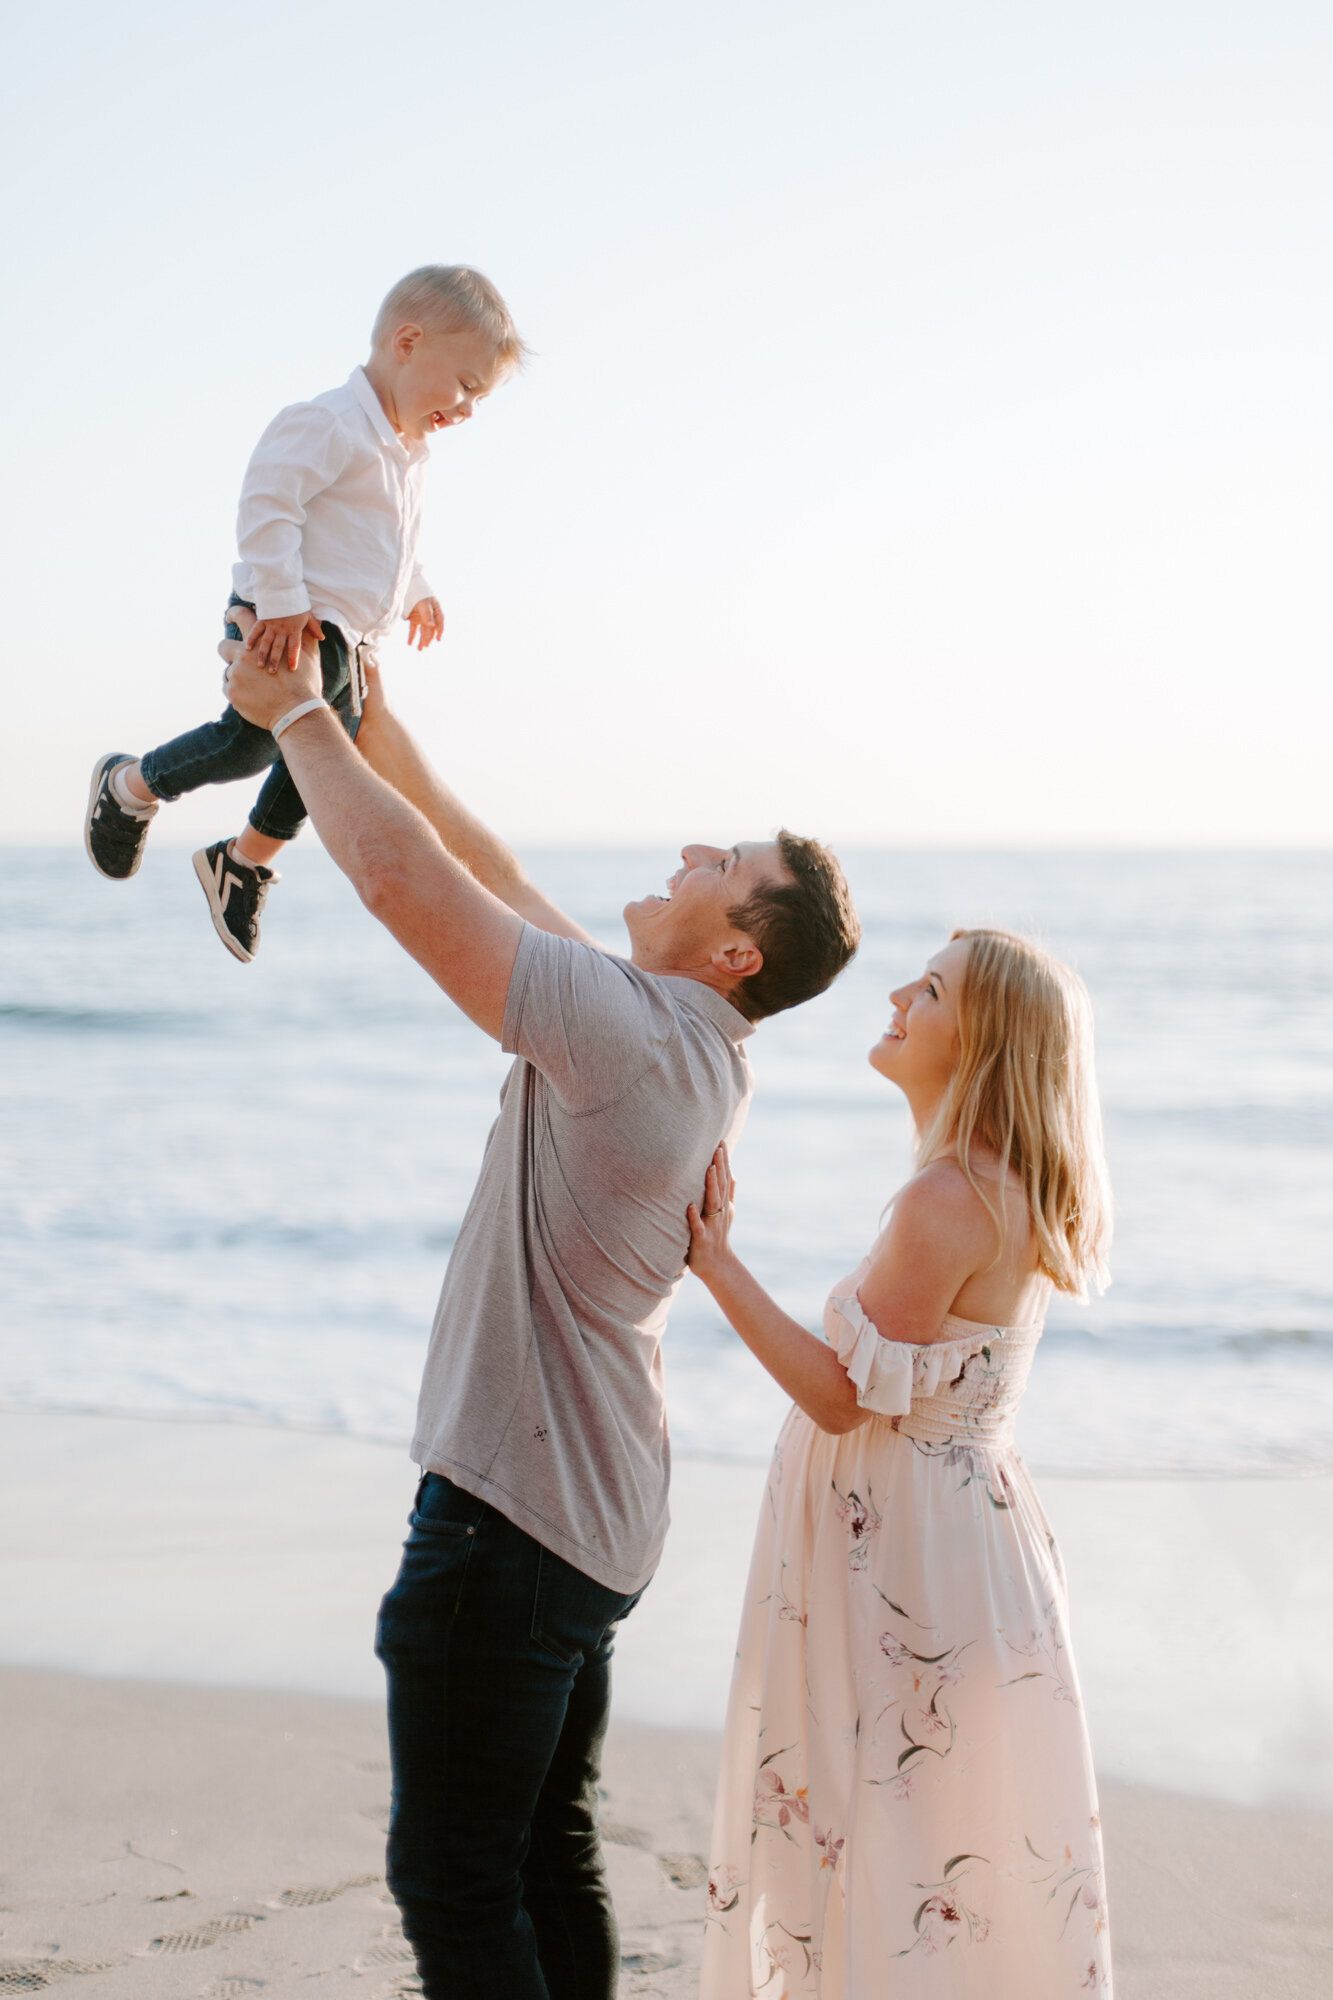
[710, 1223]
[253, 690]
[425, 623]
[276, 642]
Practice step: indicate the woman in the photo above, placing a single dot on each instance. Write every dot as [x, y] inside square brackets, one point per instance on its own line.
[907, 1806]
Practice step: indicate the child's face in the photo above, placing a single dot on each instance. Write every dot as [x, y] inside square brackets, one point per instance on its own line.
[437, 379]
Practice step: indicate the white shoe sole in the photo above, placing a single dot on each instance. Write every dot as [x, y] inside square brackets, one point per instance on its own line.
[210, 889]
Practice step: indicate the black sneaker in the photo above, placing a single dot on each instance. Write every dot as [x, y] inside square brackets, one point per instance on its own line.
[235, 890]
[113, 837]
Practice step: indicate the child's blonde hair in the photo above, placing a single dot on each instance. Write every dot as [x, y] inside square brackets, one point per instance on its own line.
[1025, 1088]
[451, 298]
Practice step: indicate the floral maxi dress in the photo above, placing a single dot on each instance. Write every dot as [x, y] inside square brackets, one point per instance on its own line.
[907, 1809]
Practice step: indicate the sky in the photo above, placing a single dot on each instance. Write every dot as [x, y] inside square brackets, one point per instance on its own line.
[927, 439]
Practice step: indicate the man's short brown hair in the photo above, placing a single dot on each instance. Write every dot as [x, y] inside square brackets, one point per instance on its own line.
[807, 928]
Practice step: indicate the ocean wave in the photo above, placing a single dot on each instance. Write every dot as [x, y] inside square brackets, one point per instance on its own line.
[1309, 1460]
[102, 1020]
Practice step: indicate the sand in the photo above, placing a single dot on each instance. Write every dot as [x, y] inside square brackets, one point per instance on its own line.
[192, 1736]
[161, 1840]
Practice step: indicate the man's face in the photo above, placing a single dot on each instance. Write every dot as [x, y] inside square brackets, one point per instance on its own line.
[683, 930]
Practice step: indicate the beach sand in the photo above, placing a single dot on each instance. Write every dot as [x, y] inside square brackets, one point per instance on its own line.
[192, 1734]
[162, 1840]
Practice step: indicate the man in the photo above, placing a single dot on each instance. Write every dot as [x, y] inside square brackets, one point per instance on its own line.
[541, 1430]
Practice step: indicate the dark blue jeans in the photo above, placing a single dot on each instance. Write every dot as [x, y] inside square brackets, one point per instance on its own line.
[231, 747]
[498, 1656]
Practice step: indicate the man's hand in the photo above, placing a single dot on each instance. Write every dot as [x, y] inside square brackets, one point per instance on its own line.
[273, 641]
[256, 693]
[425, 623]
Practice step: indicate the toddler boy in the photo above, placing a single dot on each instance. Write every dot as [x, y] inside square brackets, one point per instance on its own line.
[327, 533]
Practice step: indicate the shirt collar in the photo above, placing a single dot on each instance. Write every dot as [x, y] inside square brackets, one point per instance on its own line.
[719, 1011]
[359, 384]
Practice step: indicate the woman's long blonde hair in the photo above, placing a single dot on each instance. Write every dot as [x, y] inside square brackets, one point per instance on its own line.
[1025, 1088]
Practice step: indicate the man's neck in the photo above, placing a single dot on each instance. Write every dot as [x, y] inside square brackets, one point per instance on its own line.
[702, 975]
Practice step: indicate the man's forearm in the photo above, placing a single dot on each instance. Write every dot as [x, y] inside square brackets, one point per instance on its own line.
[463, 936]
[393, 752]
[363, 819]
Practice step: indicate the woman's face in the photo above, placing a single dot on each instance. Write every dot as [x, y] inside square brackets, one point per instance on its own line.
[919, 1049]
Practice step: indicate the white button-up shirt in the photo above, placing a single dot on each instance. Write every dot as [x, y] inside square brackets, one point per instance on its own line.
[330, 512]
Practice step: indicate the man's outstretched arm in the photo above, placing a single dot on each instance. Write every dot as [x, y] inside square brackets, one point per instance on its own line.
[391, 750]
[465, 937]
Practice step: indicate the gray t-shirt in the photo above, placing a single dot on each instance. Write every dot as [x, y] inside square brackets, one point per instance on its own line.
[542, 1392]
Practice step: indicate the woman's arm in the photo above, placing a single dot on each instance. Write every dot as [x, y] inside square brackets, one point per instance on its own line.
[938, 1235]
[799, 1361]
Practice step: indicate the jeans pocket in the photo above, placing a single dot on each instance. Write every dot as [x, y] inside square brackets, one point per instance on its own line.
[572, 1615]
[418, 1612]
[441, 1508]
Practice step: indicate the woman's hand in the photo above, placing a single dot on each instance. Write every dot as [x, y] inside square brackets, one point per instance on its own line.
[798, 1360]
[710, 1222]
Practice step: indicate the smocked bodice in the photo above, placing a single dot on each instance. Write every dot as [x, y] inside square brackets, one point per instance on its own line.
[964, 1389]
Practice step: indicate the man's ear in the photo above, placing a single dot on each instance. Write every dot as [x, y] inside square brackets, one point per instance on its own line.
[740, 960]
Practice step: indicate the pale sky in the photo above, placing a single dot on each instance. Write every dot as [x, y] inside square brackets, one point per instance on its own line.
[928, 437]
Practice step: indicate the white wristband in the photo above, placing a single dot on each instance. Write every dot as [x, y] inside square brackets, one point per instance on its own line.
[295, 714]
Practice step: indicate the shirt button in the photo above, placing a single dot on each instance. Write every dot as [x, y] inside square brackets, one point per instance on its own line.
[472, 1531]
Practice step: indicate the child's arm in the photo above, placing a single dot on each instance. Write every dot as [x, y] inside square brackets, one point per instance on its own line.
[300, 454]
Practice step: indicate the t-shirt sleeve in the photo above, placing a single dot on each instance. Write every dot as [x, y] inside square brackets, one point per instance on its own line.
[584, 1018]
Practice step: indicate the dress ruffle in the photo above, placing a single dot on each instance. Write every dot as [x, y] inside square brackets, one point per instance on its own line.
[887, 1374]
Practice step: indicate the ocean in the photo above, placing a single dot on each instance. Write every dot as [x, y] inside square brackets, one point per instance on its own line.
[228, 1193]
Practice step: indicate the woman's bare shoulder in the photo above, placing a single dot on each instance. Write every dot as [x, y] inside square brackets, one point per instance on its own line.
[941, 1198]
[937, 1235]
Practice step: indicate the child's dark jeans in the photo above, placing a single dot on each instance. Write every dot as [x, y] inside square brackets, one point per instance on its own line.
[231, 747]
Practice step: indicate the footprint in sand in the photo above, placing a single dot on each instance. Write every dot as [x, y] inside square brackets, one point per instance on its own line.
[394, 1950]
[200, 1939]
[34, 1975]
[687, 1871]
[648, 1961]
[233, 1989]
[302, 1899]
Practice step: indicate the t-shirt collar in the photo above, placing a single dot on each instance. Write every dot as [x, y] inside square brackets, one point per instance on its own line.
[721, 1012]
[360, 385]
